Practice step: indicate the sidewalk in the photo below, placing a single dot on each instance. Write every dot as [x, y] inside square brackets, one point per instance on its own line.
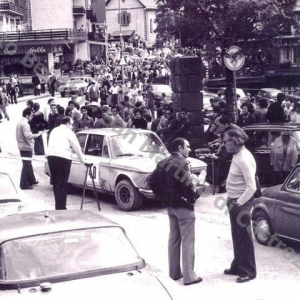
[32, 97]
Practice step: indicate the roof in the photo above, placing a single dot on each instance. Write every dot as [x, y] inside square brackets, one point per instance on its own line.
[124, 33]
[115, 131]
[273, 126]
[28, 224]
[150, 4]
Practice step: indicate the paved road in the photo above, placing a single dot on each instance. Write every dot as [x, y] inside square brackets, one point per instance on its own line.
[148, 230]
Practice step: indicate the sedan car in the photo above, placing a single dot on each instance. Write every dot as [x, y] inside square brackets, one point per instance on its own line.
[276, 212]
[158, 89]
[269, 93]
[261, 138]
[10, 195]
[74, 86]
[122, 160]
[76, 253]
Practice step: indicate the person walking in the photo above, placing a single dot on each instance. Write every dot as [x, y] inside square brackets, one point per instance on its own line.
[240, 186]
[62, 143]
[179, 195]
[3, 103]
[25, 144]
[36, 83]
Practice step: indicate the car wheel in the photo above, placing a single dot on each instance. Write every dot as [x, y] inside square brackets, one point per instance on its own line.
[262, 227]
[63, 94]
[127, 196]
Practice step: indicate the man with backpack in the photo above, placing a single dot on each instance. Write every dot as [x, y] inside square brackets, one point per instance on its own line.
[173, 183]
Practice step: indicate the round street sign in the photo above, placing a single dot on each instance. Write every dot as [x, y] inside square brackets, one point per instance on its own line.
[233, 58]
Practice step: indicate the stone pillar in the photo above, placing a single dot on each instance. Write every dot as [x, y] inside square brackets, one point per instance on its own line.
[186, 82]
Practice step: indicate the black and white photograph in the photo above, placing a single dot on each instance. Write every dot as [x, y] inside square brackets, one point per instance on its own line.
[158, 137]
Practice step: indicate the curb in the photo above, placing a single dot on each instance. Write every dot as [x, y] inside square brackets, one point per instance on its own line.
[32, 97]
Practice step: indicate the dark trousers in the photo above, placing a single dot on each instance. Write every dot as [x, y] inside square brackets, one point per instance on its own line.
[13, 97]
[27, 175]
[39, 146]
[243, 263]
[60, 171]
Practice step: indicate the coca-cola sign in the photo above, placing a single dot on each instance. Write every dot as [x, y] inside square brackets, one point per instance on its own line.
[37, 49]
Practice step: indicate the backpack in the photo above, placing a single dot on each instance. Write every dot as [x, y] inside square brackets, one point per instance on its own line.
[157, 182]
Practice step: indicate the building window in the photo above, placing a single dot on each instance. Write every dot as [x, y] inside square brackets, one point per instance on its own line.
[125, 18]
[151, 26]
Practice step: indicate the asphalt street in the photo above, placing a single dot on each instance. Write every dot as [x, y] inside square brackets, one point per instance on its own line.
[278, 274]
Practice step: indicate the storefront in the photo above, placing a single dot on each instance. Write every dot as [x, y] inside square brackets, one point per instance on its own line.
[23, 60]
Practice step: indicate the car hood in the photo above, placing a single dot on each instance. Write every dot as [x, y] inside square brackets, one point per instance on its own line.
[148, 164]
[137, 163]
[133, 285]
[271, 191]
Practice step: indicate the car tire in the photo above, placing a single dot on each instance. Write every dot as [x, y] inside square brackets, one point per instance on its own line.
[63, 95]
[262, 227]
[127, 196]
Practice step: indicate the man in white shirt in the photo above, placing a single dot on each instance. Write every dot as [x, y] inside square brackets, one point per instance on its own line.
[62, 143]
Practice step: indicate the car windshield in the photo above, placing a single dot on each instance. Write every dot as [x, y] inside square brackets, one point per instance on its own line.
[68, 252]
[136, 144]
[7, 187]
[161, 89]
[274, 93]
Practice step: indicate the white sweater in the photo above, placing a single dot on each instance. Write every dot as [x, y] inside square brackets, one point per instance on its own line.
[241, 177]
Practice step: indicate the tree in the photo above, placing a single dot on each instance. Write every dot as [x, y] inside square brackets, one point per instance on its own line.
[215, 25]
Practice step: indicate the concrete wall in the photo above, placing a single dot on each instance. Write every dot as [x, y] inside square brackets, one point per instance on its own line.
[54, 14]
[82, 51]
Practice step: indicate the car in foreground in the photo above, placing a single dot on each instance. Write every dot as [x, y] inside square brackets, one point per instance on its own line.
[74, 86]
[269, 93]
[76, 253]
[276, 213]
[10, 196]
[122, 160]
[261, 138]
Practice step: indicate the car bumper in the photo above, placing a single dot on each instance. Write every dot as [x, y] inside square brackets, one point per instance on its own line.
[147, 193]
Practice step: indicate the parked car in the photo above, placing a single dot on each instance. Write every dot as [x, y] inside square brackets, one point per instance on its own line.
[261, 138]
[222, 90]
[276, 212]
[74, 253]
[122, 160]
[158, 89]
[74, 86]
[269, 93]
[10, 196]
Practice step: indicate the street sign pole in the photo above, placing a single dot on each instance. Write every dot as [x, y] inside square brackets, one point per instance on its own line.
[234, 60]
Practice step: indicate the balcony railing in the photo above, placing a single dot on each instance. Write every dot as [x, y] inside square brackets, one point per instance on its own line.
[10, 8]
[44, 35]
[78, 10]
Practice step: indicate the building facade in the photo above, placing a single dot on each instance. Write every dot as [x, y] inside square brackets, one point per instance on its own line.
[44, 32]
[137, 19]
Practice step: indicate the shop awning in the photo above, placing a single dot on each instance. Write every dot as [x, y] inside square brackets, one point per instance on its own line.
[124, 33]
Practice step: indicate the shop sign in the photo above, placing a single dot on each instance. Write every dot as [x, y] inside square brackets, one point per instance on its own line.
[9, 51]
[286, 42]
[39, 49]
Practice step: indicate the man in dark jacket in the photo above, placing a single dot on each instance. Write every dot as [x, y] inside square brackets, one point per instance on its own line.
[276, 110]
[169, 131]
[36, 82]
[180, 196]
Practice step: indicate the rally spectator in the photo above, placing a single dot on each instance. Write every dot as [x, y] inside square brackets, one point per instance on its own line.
[245, 118]
[260, 114]
[61, 115]
[139, 121]
[85, 122]
[276, 111]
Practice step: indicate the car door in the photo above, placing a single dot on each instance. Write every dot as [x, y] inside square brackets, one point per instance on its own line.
[96, 151]
[287, 209]
[76, 166]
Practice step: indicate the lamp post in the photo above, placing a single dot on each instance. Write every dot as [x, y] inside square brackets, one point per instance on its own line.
[121, 41]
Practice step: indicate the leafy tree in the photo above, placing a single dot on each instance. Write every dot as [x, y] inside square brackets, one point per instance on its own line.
[215, 25]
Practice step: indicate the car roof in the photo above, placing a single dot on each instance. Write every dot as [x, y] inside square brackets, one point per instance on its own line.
[114, 131]
[35, 223]
[270, 90]
[273, 126]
